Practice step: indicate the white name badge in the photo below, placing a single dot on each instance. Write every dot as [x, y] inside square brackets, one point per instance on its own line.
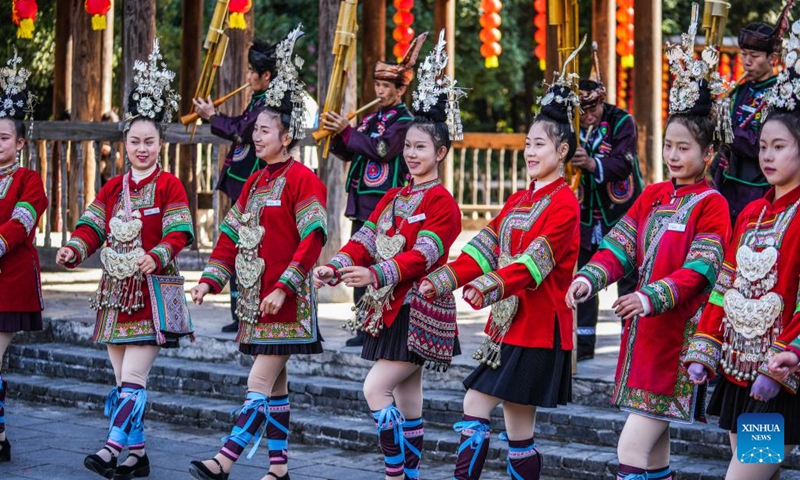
[273, 203]
[676, 227]
[152, 211]
[416, 218]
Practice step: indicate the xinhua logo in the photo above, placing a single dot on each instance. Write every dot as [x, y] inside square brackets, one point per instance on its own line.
[760, 438]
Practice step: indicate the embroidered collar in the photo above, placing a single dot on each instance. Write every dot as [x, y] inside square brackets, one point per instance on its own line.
[144, 181]
[421, 187]
[785, 200]
[683, 190]
[279, 169]
[9, 170]
[547, 189]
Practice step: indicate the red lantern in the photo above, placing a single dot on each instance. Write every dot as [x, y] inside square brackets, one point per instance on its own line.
[98, 9]
[624, 32]
[23, 14]
[238, 9]
[540, 34]
[403, 32]
[490, 35]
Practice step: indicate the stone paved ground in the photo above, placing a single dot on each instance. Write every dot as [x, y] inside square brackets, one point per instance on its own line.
[50, 443]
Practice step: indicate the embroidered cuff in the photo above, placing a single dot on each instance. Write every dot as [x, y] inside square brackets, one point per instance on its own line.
[80, 248]
[490, 286]
[596, 275]
[25, 214]
[483, 249]
[538, 259]
[662, 294]
[386, 273]
[791, 382]
[292, 278]
[341, 260]
[216, 274]
[705, 350]
[443, 279]
[3, 246]
[162, 254]
[337, 277]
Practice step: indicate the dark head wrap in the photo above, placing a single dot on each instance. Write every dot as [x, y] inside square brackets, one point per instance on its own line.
[400, 73]
[762, 37]
[262, 58]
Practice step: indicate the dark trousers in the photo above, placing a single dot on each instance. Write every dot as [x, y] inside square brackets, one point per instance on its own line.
[589, 310]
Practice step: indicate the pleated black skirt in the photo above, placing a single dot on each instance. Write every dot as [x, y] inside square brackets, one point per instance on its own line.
[284, 348]
[20, 321]
[730, 400]
[541, 377]
[393, 342]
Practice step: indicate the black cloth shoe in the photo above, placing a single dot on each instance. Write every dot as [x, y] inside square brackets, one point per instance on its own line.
[95, 463]
[201, 472]
[139, 469]
[276, 477]
[585, 356]
[356, 341]
[232, 327]
[5, 453]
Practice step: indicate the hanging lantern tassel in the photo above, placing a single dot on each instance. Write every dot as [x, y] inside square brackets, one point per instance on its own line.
[238, 9]
[490, 34]
[23, 14]
[98, 9]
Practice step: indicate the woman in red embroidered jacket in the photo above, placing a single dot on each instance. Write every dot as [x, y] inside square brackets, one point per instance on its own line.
[520, 264]
[271, 238]
[22, 202]
[754, 311]
[408, 234]
[674, 235]
[143, 219]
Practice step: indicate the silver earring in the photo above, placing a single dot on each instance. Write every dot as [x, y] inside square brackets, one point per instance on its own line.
[285, 153]
[561, 169]
[158, 160]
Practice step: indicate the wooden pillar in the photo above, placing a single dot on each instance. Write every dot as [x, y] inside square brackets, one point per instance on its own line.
[108, 61]
[604, 32]
[373, 44]
[62, 98]
[444, 17]
[191, 64]
[331, 170]
[86, 106]
[138, 31]
[647, 84]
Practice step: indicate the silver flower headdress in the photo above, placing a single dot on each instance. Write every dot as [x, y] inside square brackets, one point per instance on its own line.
[153, 96]
[564, 89]
[691, 74]
[433, 83]
[287, 79]
[16, 101]
[785, 94]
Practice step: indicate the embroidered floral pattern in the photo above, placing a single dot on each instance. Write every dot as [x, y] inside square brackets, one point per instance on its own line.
[596, 274]
[484, 249]
[25, 214]
[95, 218]
[491, 286]
[341, 260]
[621, 240]
[366, 236]
[164, 253]
[217, 273]
[724, 282]
[386, 273]
[539, 258]
[705, 257]
[177, 218]
[791, 382]
[309, 216]
[663, 295]
[109, 330]
[3, 246]
[706, 350]
[429, 248]
[443, 280]
[304, 330]
[293, 276]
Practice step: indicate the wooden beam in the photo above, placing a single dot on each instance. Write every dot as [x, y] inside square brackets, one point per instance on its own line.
[604, 25]
[107, 62]
[444, 17]
[373, 44]
[647, 85]
[331, 170]
[62, 98]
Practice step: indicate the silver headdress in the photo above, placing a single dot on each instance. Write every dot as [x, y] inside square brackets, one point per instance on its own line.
[16, 101]
[433, 83]
[287, 79]
[698, 88]
[562, 94]
[785, 94]
[153, 96]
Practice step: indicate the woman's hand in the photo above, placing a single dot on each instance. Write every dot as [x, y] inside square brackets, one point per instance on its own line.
[784, 364]
[199, 291]
[578, 293]
[357, 276]
[273, 302]
[146, 264]
[764, 388]
[628, 306]
[65, 255]
[204, 107]
[426, 289]
[322, 276]
[473, 296]
[697, 373]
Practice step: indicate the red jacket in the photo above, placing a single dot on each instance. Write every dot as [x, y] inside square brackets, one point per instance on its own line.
[428, 217]
[166, 225]
[706, 346]
[546, 237]
[22, 202]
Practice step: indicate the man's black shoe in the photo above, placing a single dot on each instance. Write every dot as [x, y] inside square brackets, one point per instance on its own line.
[356, 341]
[232, 327]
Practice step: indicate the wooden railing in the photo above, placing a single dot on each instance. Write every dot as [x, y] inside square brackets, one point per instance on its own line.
[487, 168]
